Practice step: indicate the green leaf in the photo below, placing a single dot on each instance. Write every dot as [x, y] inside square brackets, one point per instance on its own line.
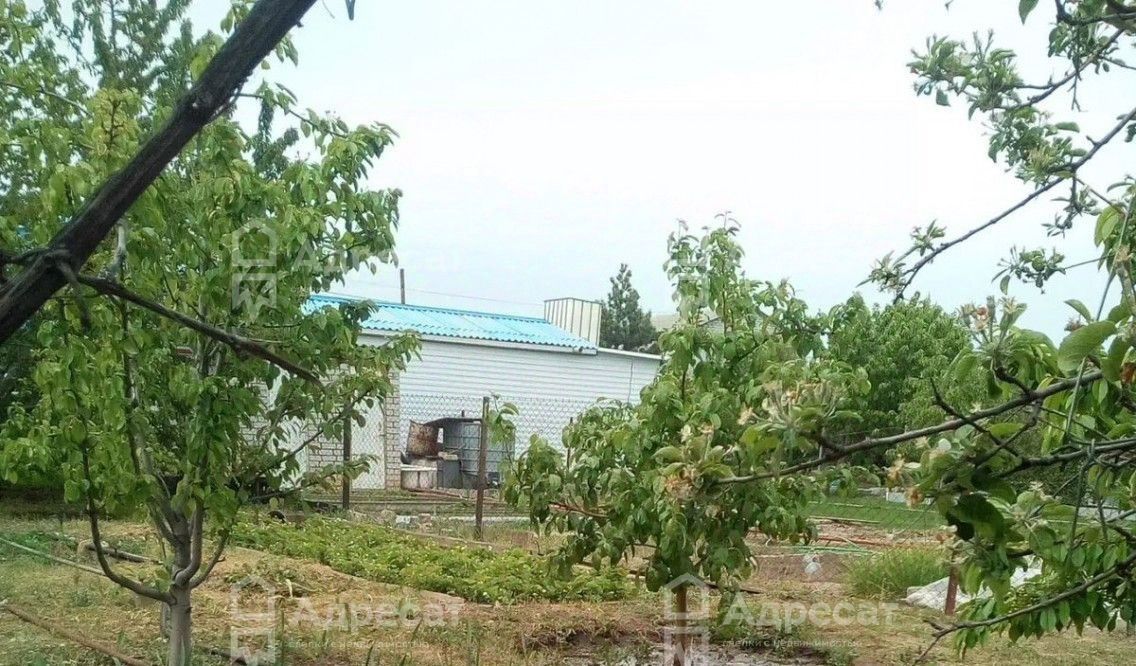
[1106, 224]
[979, 512]
[1004, 429]
[1082, 343]
[1025, 7]
[1080, 308]
[1115, 359]
[964, 366]
[941, 98]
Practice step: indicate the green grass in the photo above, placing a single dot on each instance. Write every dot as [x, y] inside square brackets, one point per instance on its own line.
[878, 512]
[888, 574]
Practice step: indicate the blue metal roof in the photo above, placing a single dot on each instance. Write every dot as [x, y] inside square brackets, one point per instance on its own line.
[467, 324]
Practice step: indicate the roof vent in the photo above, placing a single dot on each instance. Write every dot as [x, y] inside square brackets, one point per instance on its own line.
[575, 315]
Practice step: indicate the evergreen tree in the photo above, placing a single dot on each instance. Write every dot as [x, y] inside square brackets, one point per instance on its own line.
[625, 325]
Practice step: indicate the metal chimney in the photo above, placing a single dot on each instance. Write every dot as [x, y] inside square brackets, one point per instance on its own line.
[575, 315]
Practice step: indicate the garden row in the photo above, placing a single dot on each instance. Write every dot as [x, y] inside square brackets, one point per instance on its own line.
[392, 556]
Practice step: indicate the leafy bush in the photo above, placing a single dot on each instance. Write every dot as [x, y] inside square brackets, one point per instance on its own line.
[389, 556]
[888, 574]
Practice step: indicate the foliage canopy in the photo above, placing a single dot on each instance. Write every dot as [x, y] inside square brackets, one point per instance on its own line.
[135, 408]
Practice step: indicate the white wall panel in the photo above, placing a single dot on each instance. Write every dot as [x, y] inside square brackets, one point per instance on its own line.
[549, 387]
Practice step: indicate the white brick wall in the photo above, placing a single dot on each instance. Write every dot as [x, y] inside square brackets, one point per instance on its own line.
[391, 409]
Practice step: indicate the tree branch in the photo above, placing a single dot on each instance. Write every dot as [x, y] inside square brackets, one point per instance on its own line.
[201, 575]
[1045, 603]
[1050, 88]
[266, 24]
[196, 534]
[910, 274]
[239, 344]
[47, 93]
[868, 443]
[100, 555]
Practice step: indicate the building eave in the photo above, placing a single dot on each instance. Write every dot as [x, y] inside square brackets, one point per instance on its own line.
[476, 342]
[632, 354]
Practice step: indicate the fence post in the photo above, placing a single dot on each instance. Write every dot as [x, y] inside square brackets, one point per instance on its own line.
[346, 500]
[482, 456]
[568, 449]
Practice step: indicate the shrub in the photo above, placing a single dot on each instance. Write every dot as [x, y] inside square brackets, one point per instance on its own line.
[890, 573]
[389, 556]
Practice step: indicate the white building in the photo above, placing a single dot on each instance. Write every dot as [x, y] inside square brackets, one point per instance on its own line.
[550, 372]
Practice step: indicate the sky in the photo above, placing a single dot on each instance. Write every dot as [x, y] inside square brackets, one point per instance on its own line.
[542, 143]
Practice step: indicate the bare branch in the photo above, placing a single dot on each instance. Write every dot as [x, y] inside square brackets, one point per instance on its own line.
[354, 400]
[40, 90]
[218, 550]
[196, 534]
[1050, 88]
[100, 555]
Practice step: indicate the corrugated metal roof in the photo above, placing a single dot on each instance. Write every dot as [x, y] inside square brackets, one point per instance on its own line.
[466, 324]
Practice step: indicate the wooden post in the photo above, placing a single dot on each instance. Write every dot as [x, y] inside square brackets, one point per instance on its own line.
[346, 459]
[402, 286]
[682, 627]
[952, 591]
[482, 456]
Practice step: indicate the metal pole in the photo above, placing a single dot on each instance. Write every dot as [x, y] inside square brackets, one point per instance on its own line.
[482, 455]
[346, 459]
[402, 286]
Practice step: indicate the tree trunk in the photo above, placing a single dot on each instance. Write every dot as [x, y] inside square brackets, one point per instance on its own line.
[180, 624]
[682, 638]
[179, 612]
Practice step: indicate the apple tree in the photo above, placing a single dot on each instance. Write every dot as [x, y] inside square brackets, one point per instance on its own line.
[182, 371]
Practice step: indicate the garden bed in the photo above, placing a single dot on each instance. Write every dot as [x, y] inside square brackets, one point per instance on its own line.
[392, 556]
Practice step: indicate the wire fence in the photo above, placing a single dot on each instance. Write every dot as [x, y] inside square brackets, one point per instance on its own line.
[536, 415]
[384, 437]
[877, 515]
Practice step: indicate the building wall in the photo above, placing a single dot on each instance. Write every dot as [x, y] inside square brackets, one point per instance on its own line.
[448, 368]
[549, 388]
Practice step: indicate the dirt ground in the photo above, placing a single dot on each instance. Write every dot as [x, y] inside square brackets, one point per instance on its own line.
[315, 615]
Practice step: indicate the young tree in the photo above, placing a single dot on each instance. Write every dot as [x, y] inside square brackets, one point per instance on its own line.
[707, 454]
[746, 399]
[183, 372]
[624, 325]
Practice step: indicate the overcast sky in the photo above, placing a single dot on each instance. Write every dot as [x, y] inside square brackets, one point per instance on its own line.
[544, 143]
